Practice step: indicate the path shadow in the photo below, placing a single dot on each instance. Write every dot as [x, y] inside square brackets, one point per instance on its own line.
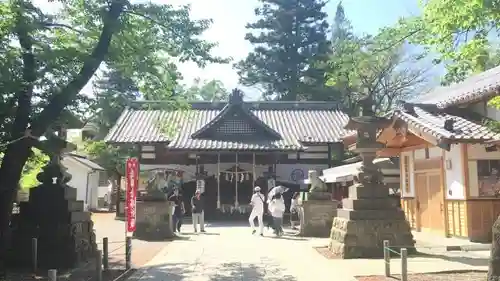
[175, 238]
[218, 224]
[292, 238]
[200, 233]
[465, 260]
[219, 272]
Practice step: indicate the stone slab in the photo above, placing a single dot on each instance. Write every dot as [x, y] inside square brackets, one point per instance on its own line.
[359, 191]
[318, 216]
[370, 204]
[388, 214]
[364, 239]
[154, 220]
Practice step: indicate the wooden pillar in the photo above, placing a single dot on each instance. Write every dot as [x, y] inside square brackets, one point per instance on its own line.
[218, 180]
[253, 170]
[236, 203]
[329, 155]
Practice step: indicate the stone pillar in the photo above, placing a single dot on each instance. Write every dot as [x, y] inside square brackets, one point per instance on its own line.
[369, 216]
[154, 220]
[153, 211]
[318, 210]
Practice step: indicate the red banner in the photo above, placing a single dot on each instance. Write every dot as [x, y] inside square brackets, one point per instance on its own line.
[132, 177]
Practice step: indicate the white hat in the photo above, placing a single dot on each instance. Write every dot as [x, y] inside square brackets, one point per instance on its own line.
[257, 188]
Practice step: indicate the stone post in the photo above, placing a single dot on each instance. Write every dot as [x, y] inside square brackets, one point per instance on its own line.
[318, 210]
[154, 211]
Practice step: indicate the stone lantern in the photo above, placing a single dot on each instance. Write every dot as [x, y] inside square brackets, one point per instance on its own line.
[369, 216]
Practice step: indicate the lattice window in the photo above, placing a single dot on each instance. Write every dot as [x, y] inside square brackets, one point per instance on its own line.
[236, 127]
[406, 170]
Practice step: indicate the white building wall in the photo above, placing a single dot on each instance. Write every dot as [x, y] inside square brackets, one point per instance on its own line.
[80, 176]
[454, 173]
[78, 179]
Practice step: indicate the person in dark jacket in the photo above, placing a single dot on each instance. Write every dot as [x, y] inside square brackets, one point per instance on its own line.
[197, 211]
[179, 210]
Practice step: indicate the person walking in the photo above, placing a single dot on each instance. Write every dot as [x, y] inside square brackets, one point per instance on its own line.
[179, 210]
[277, 209]
[294, 211]
[257, 203]
[197, 211]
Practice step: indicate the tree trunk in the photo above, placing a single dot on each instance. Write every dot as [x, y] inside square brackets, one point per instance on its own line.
[494, 263]
[10, 173]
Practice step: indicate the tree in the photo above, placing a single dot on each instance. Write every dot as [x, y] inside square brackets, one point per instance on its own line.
[462, 33]
[359, 66]
[46, 63]
[113, 92]
[212, 90]
[290, 43]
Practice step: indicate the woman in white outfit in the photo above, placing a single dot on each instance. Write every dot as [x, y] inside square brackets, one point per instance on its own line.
[257, 203]
[277, 209]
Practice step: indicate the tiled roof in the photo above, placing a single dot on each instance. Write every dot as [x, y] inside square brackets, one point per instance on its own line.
[298, 123]
[464, 130]
[473, 89]
[85, 161]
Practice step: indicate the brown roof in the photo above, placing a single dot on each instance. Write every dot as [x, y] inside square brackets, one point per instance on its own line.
[464, 130]
[296, 123]
[473, 89]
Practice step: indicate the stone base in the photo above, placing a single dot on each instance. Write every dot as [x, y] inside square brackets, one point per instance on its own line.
[154, 220]
[317, 217]
[351, 239]
[318, 195]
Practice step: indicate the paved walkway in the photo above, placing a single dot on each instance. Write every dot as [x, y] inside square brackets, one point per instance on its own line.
[232, 253]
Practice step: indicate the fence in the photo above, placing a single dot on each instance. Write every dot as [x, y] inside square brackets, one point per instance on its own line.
[108, 259]
[403, 253]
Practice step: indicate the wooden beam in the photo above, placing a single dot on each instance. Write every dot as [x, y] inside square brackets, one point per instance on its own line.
[425, 136]
[389, 152]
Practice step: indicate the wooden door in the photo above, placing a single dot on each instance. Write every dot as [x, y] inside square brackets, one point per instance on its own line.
[430, 201]
[423, 200]
[435, 202]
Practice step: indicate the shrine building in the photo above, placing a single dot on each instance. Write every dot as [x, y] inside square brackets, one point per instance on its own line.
[226, 148]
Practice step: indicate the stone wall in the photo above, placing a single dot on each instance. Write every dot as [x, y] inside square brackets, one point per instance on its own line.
[317, 217]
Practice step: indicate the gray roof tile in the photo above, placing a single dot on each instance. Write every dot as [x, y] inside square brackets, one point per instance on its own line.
[473, 89]
[297, 123]
[433, 123]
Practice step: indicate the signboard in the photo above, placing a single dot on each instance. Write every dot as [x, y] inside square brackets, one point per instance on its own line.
[132, 179]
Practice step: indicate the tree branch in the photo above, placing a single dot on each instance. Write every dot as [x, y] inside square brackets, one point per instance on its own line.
[64, 96]
[61, 25]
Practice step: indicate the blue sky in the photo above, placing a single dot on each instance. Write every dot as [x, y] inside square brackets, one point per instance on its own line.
[230, 17]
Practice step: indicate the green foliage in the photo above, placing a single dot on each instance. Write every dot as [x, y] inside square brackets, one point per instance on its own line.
[32, 168]
[112, 158]
[212, 90]
[363, 65]
[48, 58]
[461, 32]
[290, 40]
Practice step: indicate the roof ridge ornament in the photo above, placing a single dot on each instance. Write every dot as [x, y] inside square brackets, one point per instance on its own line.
[236, 97]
